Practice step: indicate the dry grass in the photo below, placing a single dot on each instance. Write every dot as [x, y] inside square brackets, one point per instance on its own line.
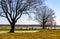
[42, 34]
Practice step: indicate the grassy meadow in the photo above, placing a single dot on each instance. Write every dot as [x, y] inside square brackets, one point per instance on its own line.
[41, 34]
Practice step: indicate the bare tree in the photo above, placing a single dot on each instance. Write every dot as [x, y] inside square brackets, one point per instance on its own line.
[44, 15]
[54, 25]
[51, 22]
[12, 10]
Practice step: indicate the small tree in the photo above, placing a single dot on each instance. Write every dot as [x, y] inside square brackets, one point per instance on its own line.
[44, 15]
[54, 25]
[50, 22]
[12, 10]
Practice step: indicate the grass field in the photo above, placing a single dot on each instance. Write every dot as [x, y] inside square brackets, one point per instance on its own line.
[42, 34]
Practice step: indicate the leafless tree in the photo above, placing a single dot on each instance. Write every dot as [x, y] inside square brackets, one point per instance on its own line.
[54, 25]
[44, 15]
[12, 10]
[51, 22]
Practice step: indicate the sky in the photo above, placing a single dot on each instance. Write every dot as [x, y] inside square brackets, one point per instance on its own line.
[54, 4]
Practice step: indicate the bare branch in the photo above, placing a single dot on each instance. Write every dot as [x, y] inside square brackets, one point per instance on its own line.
[3, 16]
[13, 9]
[44, 15]
[18, 16]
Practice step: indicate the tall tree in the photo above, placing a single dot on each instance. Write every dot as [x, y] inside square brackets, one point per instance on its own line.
[12, 10]
[44, 15]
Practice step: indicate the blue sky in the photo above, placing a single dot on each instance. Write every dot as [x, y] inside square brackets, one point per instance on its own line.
[54, 4]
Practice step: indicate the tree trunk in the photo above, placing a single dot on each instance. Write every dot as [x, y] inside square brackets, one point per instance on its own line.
[54, 27]
[12, 27]
[43, 26]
